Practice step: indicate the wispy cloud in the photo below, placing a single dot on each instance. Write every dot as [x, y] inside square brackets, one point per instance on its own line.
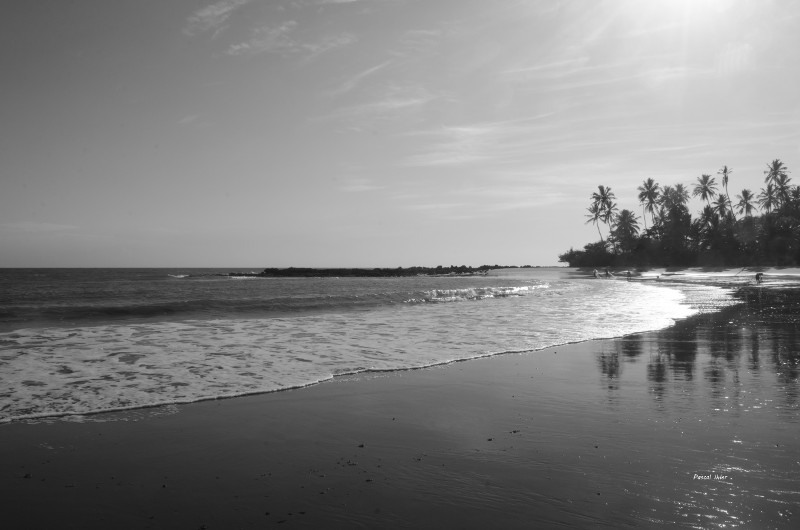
[579, 72]
[493, 199]
[267, 39]
[327, 44]
[485, 201]
[457, 146]
[437, 206]
[355, 80]
[212, 17]
[495, 142]
[188, 120]
[391, 103]
[677, 148]
[554, 68]
[194, 121]
[282, 39]
[419, 42]
[441, 210]
[388, 105]
[358, 185]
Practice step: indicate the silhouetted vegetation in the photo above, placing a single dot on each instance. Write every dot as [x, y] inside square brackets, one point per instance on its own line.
[715, 237]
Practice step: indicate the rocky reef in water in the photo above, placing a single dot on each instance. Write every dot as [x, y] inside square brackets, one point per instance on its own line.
[307, 272]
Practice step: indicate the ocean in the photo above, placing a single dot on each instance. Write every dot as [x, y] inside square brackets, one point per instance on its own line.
[75, 342]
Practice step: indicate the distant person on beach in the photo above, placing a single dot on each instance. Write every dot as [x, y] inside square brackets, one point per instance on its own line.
[608, 274]
[759, 277]
[595, 273]
[628, 274]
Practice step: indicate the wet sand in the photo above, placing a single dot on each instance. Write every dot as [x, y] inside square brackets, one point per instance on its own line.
[697, 425]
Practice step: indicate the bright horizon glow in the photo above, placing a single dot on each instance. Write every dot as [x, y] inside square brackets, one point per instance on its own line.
[373, 133]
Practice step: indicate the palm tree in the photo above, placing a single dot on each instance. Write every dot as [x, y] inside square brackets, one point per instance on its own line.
[681, 195]
[707, 215]
[610, 215]
[648, 197]
[722, 206]
[707, 226]
[626, 221]
[775, 169]
[795, 197]
[745, 204]
[674, 196]
[782, 188]
[767, 199]
[665, 201]
[726, 173]
[604, 198]
[594, 216]
[626, 228]
[706, 188]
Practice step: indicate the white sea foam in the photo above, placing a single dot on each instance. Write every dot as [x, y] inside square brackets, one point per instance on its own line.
[59, 371]
[476, 293]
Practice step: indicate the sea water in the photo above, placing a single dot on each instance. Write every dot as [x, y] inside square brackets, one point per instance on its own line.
[81, 341]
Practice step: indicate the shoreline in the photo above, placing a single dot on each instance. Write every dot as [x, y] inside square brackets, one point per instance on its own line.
[76, 416]
[608, 432]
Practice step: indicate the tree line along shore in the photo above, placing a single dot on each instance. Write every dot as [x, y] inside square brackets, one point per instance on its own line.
[307, 272]
[724, 233]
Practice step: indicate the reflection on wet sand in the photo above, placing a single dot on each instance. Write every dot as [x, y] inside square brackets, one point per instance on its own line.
[724, 390]
[757, 343]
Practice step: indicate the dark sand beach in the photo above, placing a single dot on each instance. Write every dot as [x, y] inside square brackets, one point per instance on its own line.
[696, 425]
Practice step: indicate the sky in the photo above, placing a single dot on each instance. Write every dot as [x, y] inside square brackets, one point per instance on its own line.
[372, 133]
